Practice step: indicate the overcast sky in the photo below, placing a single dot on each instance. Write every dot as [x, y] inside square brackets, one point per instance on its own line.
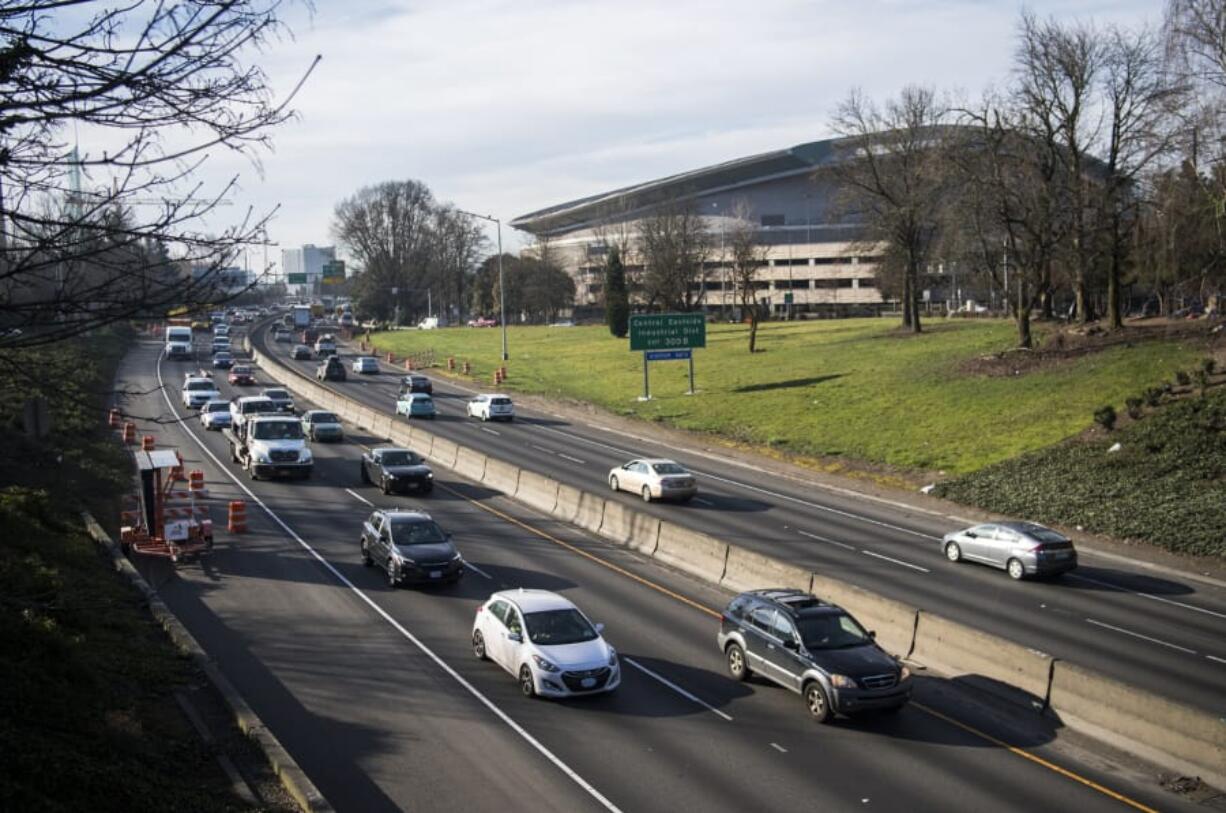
[506, 107]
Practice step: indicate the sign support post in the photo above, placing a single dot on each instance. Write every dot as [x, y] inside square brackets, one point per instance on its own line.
[667, 337]
[646, 396]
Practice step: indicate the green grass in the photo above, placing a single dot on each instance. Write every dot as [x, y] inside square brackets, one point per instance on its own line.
[88, 719]
[855, 390]
[1166, 485]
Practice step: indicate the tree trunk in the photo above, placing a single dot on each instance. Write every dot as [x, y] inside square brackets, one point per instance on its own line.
[753, 330]
[1115, 319]
[913, 302]
[1023, 327]
[907, 296]
[1081, 304]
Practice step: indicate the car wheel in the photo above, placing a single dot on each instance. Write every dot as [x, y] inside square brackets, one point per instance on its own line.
[384, 487]
[817, 702]
[613, 483]
[485, 416]
[646, 493]
[479, 645]
[1015, 569]
[738, 666]
[427, 489]
[365, 476]
[526, 684]
[392, 578]
[251, 471]
[952, 552]
[366, 560]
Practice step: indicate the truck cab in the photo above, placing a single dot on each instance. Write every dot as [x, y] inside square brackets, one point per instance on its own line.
[178, 341]
[269, 445]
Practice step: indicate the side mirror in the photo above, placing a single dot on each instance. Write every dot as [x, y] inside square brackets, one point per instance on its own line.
[972, 534]
[872, 634]
[792, 645]
[516, 637]
[599, 628]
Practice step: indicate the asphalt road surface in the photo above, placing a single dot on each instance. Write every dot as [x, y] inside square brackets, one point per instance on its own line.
[377, 694]
[1159, 632]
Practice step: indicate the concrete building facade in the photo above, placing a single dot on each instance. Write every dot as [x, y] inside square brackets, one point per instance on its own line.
[809, 252]
[309, 260]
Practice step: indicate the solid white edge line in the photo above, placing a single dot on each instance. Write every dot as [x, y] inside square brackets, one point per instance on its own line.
[476, 569]
[1142, 637]
[473, 690]
[491, 431]
[360, 497]
[1216, 658]
[824, 539]
[675, 688]
[896, 561]
[779, 748]
[572, 459]
[1213, 613]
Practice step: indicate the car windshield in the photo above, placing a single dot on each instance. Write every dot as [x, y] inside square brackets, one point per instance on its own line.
[832, 631]
[276, 395]
[1044, 534]
[200, 385]
[409, 532]
[223, 356]
[217, 406]
[667, 468]
[399, 459]
[258, 406]
[278, 430]
[557, 627]
[241, 370]
[501, 401]
[324, 417]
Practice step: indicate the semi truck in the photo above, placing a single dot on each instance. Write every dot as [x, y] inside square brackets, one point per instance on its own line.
[270, 446]
[302, 316]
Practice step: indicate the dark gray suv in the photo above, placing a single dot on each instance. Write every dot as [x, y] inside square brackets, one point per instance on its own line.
[816, 649]
[410, 546]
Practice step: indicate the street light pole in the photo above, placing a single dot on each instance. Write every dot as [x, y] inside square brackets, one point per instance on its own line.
[502, 290]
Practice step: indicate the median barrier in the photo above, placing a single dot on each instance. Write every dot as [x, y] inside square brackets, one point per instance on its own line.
[382, 426]
[893, 621]
[1182, 739]
[537, 490]
[502, 476]
[444, 452]
[567, 504]
[470, 464]
[1010, 670]
[626, 526]
[589, 512]
[747, 570]
[695, 553]
[419, 441]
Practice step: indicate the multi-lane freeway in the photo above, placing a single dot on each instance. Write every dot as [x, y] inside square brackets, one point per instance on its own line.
[377, 695]
[1158, 631]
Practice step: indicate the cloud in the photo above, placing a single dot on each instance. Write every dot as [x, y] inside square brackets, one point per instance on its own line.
[506, 107]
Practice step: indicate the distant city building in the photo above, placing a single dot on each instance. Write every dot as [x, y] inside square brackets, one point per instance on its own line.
[229, 280]
[807, 253]
[308, 260]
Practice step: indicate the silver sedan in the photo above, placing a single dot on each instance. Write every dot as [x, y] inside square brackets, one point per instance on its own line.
[654, 479]
[1020, 548]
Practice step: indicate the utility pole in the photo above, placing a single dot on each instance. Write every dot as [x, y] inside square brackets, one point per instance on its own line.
[502, 290]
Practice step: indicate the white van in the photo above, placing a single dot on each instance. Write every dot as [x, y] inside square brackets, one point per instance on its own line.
[178, 341]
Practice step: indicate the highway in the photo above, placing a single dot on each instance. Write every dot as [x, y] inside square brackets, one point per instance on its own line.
[1127, 622]
[376, 693]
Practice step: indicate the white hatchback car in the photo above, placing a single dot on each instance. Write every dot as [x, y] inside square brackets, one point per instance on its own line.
[215, 414]
[546, 642]
[491, 407]
[366, 364]
[654, 479]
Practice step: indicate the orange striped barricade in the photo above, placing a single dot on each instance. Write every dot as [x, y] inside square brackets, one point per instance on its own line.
[129, 432]
[114, 419]
[146, 443]
[195, 483]
[236, 521]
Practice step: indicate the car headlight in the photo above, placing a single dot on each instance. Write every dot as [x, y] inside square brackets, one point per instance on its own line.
[429, 475]
[544, 664]
[261, 456]
[305, 455]
[612, 656]
[391, 476]
[457, 557]
[842, 682]
[904, 674]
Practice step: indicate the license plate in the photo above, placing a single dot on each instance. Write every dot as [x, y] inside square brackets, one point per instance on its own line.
[588, 683]
[436, 574]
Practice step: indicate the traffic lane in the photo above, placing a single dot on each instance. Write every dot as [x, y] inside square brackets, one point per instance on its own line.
[350, 699]
[1130, 624]
[677, 642]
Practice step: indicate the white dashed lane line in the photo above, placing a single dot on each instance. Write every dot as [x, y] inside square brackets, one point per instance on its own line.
[478, 570]
[491, 431]
[896, 561]
[360, 497]
[665, 681]
[1158, 641]
[779, 748]
[828, 541]
[572, 459]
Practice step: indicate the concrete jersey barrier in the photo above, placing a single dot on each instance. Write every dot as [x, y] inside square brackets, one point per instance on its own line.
[470, 464]
[747, 570]
[988, 661]
[502, 476]
[631, 528]
[1182, 739]
[537, 490]
[693, 552]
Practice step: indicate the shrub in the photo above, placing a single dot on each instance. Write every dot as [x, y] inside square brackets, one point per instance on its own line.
[1202, 380]
[1134, 408]
[1104, 416]
[1183, 379]
[1208, 365]
[1153, 396]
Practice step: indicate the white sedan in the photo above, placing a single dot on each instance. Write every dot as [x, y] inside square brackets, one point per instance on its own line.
[366, 364]
[491, 407]
[215, 414]
[654, 479]
[546, 643]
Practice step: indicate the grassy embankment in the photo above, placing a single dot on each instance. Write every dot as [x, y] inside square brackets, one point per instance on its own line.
[857, 396]
[853, 389]
[87, 716]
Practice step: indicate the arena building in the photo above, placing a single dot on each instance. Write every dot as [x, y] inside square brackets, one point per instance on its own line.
[808, 253]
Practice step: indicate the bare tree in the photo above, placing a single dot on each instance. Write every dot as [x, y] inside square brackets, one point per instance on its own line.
[1196, 38]
[747, 255]
[674, 244]
[167, 82]
[891, 178]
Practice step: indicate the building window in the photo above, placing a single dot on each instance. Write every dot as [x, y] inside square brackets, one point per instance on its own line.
[773, 220]
[867, 282]
[828, 260]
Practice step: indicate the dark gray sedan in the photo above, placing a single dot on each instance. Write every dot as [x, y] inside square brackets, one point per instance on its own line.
[1020, 548]
[410, 546]
[394, 469]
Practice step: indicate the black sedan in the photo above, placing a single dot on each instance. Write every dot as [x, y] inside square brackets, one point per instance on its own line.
[301, 352]
[397, 470]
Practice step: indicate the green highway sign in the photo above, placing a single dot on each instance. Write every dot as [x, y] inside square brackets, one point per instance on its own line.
[334, 270]
[295, 279]
[667, 331]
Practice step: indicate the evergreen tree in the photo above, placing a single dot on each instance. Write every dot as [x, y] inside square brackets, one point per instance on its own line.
[616, 299]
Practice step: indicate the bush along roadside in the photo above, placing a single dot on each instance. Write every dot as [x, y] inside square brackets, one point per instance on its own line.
[88, 719]
[1165, 485]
